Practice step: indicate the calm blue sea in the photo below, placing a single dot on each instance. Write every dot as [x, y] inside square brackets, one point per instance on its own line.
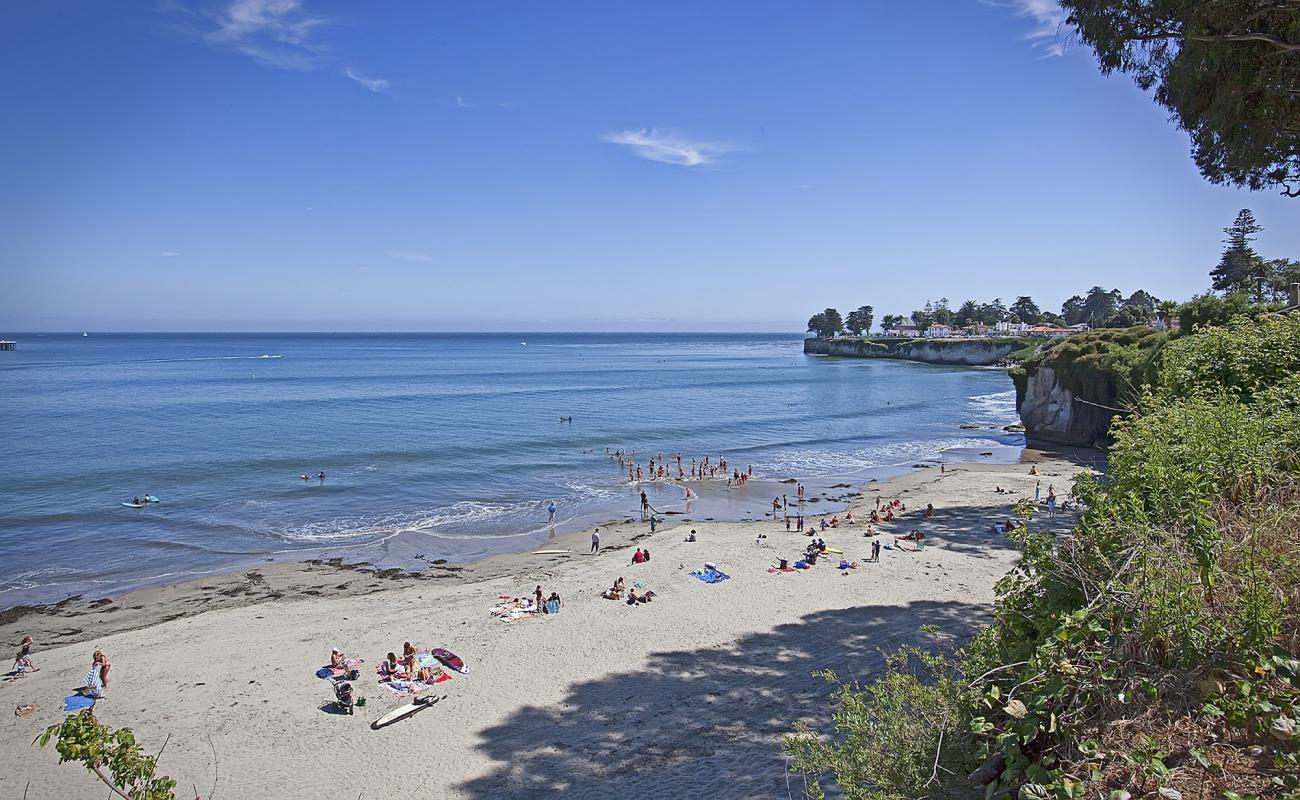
[433, 445]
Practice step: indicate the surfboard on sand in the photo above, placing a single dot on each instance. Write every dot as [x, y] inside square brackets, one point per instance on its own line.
[404, 711]
[551, 552]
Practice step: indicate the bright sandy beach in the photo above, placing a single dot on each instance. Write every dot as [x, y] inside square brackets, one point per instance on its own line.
[687, 696]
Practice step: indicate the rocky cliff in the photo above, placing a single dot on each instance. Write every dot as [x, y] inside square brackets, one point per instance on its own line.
[1067, 393]
[968, 352]
[1050, 412]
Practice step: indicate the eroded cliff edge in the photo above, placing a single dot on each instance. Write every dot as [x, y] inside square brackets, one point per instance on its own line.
[955, 352]
[1071, 391]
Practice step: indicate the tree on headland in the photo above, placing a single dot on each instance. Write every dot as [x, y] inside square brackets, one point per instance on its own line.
[966, 313]
[1228, 71]
[826, 324]
[1027, 310]
[1072, 310]
[993, 313]
[859, 321]
[891, 321]
[1099, 305]
[1240, 268]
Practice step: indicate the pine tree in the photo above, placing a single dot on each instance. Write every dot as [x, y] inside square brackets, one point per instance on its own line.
[1240, 266]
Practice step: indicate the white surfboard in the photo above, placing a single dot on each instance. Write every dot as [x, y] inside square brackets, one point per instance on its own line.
[550, 552]
[404, 711]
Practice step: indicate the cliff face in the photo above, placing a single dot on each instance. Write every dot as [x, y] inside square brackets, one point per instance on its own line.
[968, 352]
[1050, 413]
[1065, 393]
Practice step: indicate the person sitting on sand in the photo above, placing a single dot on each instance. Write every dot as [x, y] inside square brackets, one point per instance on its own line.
[875, 517]
[912, 536]
[638, 557]
[824, 525]
[615, 592]
[96, 681]
[646, 553]
[691, 536]
[929, 510]
[848, 518]
[23, 661]
[632, 597]
[388, 669]
[835, 521]
[889, 515]
[553, 603]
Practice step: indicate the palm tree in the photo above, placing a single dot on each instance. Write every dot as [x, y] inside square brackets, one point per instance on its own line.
[1167, 309]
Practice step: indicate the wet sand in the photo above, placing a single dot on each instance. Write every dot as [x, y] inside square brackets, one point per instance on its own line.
[686, 696]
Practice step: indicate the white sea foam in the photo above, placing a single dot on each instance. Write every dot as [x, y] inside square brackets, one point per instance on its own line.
[999, 407]
[845, 463]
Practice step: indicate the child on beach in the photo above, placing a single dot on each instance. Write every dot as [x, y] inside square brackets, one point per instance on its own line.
[23, 661]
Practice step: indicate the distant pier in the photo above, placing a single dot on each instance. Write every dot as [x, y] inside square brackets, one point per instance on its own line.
[7, 345]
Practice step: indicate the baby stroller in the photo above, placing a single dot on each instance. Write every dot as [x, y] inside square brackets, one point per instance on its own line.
[343, 699]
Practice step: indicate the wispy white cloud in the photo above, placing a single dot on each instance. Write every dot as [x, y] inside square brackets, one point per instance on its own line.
[1047, 16]
[169, 253]
[277, 33]
[409, 255]
[668, 147]
[373, 84]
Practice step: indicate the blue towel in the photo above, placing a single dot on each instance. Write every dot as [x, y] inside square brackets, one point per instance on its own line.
[324, 672]
[711, 575]
[76, 702]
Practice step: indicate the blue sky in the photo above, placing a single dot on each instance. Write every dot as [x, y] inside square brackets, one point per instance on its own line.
[312, 165]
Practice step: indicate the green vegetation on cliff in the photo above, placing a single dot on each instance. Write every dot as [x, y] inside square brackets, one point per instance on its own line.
[1108, 367]
[1152, 652]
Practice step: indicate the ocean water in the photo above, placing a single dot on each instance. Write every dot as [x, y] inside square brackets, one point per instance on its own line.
[433, 445]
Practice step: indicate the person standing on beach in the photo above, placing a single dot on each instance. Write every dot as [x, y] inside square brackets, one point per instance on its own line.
[645, 505]
[96, 680]
[23, 661]
[652, 523]
[1051, 503]
[551, 510]
[1038, 487]
[595, 541]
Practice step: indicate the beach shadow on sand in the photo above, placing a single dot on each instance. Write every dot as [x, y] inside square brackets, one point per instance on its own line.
[706, 722]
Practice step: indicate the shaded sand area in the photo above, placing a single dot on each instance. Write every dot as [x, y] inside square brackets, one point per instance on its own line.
[687, 696]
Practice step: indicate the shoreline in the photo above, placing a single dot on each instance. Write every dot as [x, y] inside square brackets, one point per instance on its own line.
[697, 686]
[262, 578]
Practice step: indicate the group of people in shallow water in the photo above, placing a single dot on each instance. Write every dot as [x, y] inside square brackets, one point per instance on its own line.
[673, 468]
